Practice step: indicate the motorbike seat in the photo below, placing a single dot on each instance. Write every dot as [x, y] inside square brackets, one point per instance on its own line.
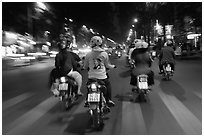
[99, 81]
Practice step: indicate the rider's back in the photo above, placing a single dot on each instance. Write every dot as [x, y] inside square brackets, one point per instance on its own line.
[142, 61]
[64, 61]
[167, 54]
[95, 61]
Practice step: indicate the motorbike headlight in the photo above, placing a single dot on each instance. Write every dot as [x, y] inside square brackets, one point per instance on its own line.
[93, 87]
[63, 79]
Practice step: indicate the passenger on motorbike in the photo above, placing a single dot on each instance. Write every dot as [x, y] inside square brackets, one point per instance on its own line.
[167, 54]
[65, 64]
[143, 62]
[97, 62]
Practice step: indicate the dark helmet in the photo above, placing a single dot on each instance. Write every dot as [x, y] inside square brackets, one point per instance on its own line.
[65, 41]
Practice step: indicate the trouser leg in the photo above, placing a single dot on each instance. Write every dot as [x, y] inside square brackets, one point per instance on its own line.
[108, 89]
[78, 78]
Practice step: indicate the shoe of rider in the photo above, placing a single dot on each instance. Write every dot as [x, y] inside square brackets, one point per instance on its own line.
[111, 103]
[106, 109]
[80, 94]
[86, 104]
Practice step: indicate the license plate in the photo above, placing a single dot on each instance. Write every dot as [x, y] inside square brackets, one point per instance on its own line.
[168, 68]
[63, 86]
[142, 83]
[94, 97]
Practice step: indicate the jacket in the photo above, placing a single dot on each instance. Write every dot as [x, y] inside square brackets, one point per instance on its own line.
[167, 54]
[65, 62]
[142, 61]
[97, 61]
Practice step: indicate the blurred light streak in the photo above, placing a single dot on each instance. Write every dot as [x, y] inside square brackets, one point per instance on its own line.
[37, 53]
[15, 55]
[27, 57]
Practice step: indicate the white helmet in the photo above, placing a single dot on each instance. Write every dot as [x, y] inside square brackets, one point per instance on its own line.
[141, 44]
[96, 41]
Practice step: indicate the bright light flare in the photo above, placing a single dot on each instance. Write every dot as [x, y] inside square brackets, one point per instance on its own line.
[53, 55]
[53, 52]
[41, 5]
[86, 50]
[11, 35]
[29, 57]
[15, 55]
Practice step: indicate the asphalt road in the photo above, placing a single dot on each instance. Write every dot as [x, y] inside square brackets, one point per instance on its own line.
[174, 107]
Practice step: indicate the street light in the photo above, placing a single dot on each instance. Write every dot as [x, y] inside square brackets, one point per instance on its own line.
[70, 20]
[135, 20]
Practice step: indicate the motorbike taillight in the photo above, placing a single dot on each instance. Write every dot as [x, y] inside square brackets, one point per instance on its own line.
[93, 87]
[62, 79]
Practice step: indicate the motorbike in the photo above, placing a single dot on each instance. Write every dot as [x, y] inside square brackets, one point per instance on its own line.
[167, 70]
[67, 91]
[96, 103]
[142, 88]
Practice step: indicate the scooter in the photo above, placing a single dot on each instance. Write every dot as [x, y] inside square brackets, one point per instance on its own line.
[67, 91]
[167, 70]
[96, 103]
[142, 88]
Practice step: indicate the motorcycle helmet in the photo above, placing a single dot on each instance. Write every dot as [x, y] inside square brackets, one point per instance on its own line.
[96, 41]
[139, 44]
[65, 42]
[169, 43]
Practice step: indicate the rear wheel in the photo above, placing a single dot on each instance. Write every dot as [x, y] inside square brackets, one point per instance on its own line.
[97, 119]
[66, 102]
[141, 97]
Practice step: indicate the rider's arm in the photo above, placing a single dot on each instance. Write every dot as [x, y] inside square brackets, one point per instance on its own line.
[76, 57]
[57, 61]
[107, 62]
[160, 55]
[86, 62]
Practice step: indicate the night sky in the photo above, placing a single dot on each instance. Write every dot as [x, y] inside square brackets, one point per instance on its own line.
[108, 18]
[112, 19]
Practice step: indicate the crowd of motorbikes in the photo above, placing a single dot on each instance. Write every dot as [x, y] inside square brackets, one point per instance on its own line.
[142, 79]
[96, 102]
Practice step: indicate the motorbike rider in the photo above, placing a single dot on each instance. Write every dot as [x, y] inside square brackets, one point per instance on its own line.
[167, 54]
[97, 62]
[65, 62]
[143, 62]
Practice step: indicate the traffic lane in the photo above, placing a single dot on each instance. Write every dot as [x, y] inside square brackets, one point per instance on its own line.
[185, 85]
[186, 79]
[16, 111]
[136, 118]
[25, 79]
[25, 84]
[122, 119]
[156, 99]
